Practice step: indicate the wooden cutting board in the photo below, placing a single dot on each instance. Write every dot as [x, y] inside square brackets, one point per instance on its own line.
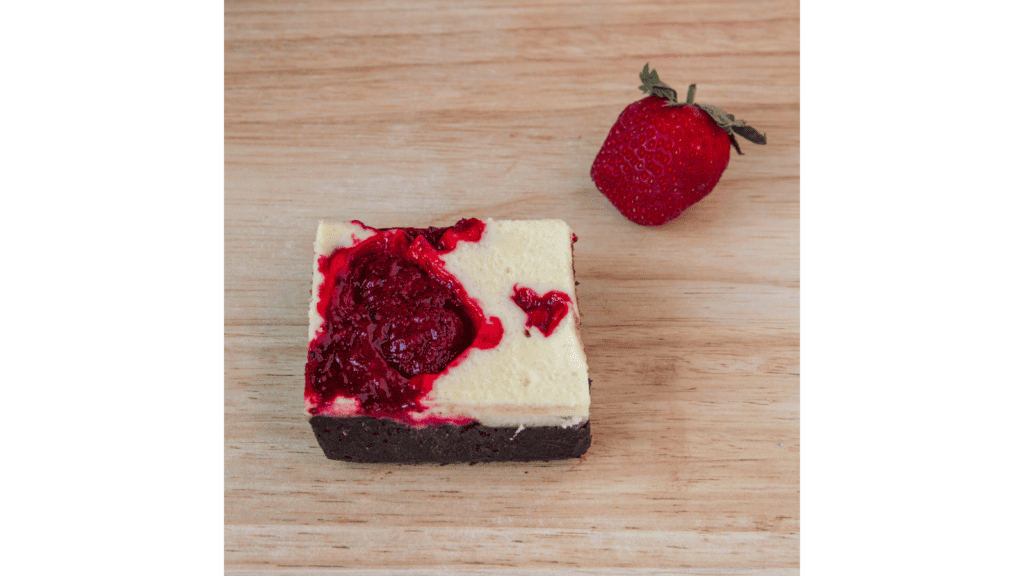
[406, 113]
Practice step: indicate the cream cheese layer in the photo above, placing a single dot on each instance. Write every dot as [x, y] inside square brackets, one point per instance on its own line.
[528, 379]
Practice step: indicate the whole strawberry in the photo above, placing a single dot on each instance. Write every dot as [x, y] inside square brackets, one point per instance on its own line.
[662, 156]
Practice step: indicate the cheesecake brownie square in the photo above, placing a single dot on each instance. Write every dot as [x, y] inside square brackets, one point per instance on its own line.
[446, 344]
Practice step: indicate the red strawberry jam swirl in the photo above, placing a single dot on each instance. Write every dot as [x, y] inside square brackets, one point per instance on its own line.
[543, 312]
[394, 320]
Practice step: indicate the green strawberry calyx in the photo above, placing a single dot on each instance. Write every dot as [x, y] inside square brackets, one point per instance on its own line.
[655, 87]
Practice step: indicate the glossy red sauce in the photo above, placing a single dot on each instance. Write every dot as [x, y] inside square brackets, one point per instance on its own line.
[543, 312]
[394, 320]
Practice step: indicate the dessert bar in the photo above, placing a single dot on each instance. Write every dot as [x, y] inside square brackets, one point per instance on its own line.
[446, 344]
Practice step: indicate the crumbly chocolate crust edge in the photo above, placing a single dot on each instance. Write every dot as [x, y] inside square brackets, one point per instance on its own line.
[365, 439]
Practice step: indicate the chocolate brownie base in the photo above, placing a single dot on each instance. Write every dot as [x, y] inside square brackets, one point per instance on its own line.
[364, 439]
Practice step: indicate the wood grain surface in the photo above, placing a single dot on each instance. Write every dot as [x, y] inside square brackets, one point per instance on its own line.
[403, 113]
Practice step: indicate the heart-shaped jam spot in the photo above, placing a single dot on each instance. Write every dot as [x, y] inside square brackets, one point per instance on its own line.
[543, 312]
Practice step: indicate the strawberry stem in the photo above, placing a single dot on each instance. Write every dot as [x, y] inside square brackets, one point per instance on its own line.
[655, 87]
